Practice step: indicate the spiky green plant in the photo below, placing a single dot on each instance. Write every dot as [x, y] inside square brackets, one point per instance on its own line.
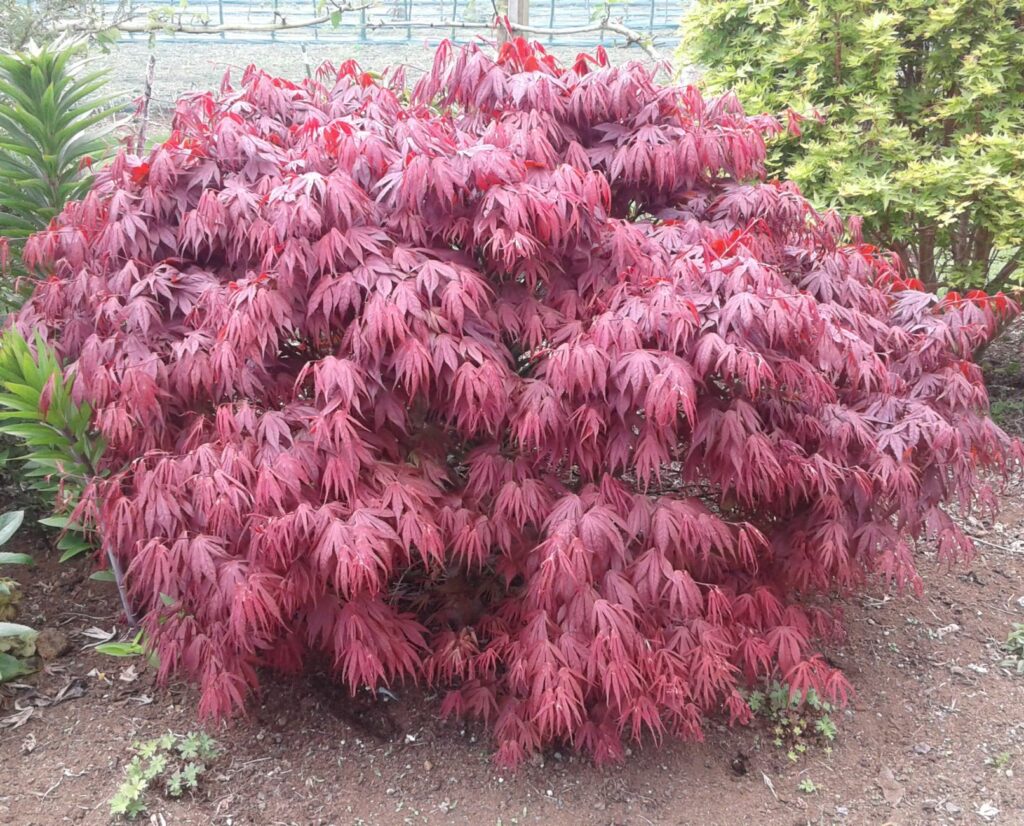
[59, 450]
[53, 124]
[56, 442]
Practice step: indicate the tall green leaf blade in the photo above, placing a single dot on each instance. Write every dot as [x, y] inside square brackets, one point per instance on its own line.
[9, 524]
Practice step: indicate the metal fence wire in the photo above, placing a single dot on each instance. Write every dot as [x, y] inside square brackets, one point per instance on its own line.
[404, 21]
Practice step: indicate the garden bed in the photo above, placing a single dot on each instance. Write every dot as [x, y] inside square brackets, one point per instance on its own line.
[932, 707]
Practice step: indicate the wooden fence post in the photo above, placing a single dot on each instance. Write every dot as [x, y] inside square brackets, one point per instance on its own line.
[518, 12]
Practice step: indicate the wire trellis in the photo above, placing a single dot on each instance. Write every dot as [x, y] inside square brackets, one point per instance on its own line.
[402, 21]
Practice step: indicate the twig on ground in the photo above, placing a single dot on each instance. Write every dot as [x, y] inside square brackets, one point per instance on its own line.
[996, 546]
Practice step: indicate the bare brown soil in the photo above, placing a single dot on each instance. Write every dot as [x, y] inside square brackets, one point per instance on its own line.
[935, 734]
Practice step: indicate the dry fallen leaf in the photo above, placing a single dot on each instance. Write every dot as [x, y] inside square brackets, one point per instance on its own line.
[96, 633]
[892, 789]
[17, 720]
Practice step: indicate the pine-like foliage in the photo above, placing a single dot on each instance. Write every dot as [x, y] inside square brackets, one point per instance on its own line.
[50, 132]
[522, 383]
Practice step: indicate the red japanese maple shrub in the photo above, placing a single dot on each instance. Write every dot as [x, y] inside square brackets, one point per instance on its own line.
[523, 383]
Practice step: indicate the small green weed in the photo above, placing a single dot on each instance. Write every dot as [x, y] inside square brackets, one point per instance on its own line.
[1001, 761]
[135, 647]
[795, 725]
[1007, 412]
[173, 761]
[807, 786]
[1014, 648]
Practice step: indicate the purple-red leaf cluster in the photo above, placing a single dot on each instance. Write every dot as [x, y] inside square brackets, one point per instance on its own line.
[523, 382]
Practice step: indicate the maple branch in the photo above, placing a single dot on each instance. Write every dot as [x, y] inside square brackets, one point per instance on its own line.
[1008, 269]
[91, 472]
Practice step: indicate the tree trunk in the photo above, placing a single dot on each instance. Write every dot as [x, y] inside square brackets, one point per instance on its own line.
[926, 259]
[982, 251]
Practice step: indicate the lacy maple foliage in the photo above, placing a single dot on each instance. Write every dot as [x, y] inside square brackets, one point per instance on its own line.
[522, 382]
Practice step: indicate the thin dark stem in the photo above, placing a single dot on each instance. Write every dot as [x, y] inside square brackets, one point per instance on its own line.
[122, 592]
[115, 564]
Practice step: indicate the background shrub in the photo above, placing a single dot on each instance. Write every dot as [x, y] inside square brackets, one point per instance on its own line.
[40, 21]
[923, 103]
[524, 384]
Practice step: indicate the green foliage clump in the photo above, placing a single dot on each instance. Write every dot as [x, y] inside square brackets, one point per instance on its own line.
[53, 126]
[1014, 648]
[796, 724]
[17, 642]
[10, 590]
[923, 105]
[807, 786]
[174, 763]
[59, 450]
[17, 645]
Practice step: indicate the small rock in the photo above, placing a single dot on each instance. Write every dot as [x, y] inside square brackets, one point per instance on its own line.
[52, 643]
[427, 765]
[842, 811]
[952, 808]
[892, 789]
[922, 748]
[600, 805]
